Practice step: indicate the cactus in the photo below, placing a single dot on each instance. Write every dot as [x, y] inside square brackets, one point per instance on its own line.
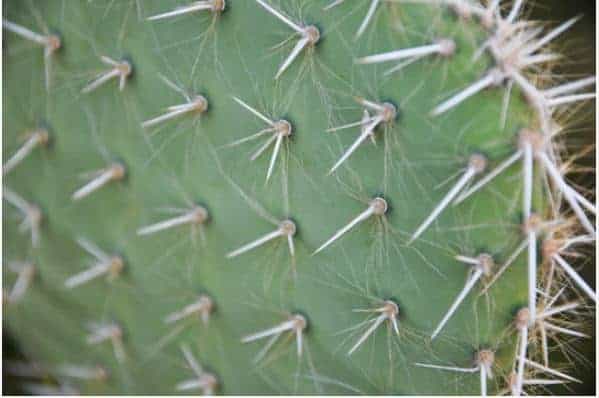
[290, 197]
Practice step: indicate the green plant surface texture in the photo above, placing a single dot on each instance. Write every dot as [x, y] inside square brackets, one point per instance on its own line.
[413, 162]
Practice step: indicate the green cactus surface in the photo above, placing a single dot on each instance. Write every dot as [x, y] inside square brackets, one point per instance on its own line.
[162, 296]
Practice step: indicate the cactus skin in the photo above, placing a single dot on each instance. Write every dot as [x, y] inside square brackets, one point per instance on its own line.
[185, 161]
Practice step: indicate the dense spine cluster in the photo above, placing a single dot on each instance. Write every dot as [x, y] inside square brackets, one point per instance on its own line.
[349, 236]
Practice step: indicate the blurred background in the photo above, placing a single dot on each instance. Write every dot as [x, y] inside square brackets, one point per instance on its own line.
[579, 46]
